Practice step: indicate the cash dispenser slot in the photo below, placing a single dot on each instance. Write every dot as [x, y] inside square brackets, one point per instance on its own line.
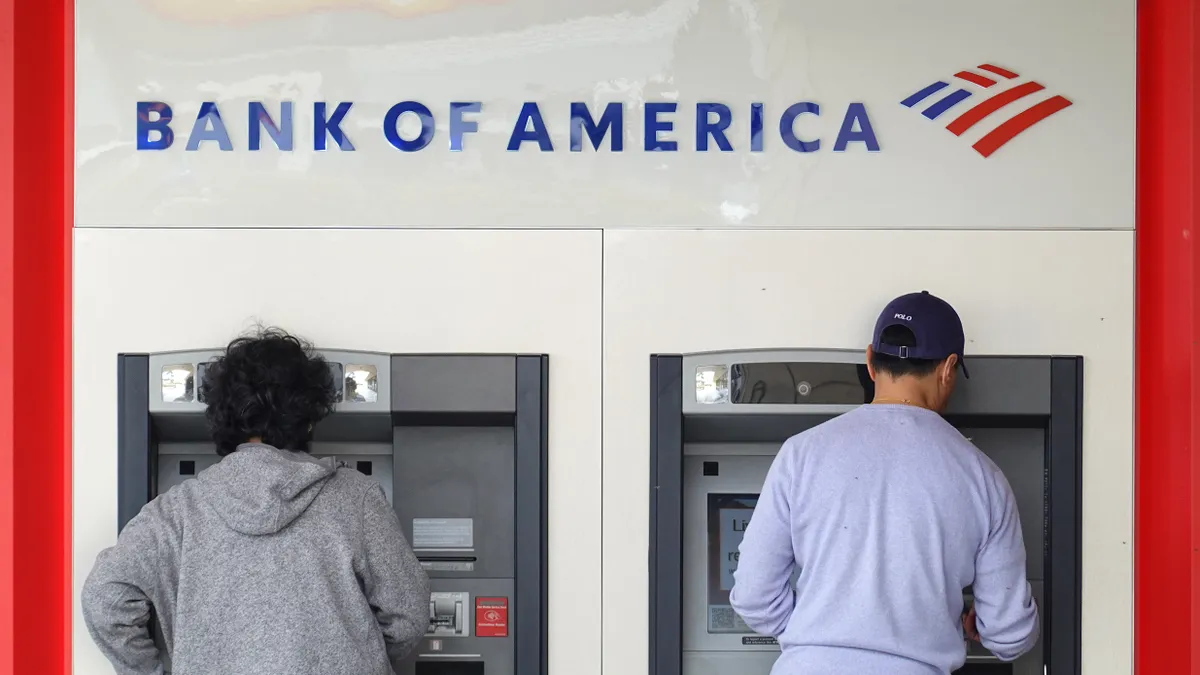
[717, 422]
[458, 444]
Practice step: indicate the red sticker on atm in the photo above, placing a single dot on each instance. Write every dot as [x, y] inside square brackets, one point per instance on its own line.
[491, 617]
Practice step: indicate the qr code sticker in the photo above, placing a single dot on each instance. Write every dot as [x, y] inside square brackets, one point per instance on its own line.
[723, 620]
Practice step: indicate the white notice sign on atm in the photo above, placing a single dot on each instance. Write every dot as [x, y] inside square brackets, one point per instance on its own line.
[728, 515]
[442, 533]
[733, 529]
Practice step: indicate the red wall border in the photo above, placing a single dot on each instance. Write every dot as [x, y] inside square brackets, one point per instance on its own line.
[6, 334]
[1167, 505]
[36, 461]
[36, 180]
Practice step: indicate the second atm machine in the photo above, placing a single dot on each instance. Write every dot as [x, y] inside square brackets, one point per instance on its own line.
[459, 445]
[717, 421]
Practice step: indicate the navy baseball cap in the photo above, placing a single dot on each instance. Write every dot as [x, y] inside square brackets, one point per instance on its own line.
[934, 323]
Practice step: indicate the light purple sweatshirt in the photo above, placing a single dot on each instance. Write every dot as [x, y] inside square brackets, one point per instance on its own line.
[889, 513]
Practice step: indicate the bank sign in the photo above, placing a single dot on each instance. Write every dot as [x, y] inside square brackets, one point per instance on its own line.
[959, 103]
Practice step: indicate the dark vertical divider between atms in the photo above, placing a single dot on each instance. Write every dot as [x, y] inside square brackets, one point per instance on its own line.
[457, 441]
[717, 421]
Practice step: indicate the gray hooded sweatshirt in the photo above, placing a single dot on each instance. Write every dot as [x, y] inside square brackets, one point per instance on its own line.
[268, 563]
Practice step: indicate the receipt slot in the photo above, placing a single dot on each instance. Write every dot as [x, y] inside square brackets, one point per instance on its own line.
[457, 442]
[717, 421]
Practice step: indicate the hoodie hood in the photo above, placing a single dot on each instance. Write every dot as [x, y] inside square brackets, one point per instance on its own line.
[260, 490]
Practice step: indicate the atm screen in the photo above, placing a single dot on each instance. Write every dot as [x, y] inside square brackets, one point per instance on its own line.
[335, 369]
[728, 515]
[800, 383]
[201, 371]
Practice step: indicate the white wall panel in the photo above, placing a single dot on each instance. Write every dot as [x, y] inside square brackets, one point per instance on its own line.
[1075, 169]
[415, 291]
[1018, 293]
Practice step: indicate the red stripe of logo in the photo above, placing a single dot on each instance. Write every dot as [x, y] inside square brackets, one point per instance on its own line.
[1002, 72]
[975, 78]
[1013, 127]
[986, 107]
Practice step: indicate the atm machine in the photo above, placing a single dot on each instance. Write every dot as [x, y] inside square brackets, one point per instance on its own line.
[459, 445]
[717, 421]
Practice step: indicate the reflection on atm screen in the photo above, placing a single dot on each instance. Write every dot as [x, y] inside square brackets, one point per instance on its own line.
[178, 383]
[800, 383]
[728, 516]
[336, 370]
[201, 371]
[362, 384]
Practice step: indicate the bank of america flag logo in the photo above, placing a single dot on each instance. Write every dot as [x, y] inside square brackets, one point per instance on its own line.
[990, 88]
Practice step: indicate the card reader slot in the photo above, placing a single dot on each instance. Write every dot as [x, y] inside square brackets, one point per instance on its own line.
[448, 614]
[447, 558]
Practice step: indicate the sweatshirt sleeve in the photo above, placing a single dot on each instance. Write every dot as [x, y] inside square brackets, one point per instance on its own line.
[396, 586]
[762, 593]
[116, 598]
[1005, 613]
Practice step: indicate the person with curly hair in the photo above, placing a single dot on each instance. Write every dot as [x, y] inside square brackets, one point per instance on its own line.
[271, 562]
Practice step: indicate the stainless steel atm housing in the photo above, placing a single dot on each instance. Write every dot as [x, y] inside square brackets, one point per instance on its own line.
[459, 445]
[717, 422]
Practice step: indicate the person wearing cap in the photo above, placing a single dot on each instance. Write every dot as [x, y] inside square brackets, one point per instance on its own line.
[883, 516]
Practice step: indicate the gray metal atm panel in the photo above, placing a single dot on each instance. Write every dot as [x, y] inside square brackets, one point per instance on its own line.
[467, 647]
[458, 506]
[1021, 455]
[695, 365]
[450, 384]
[178, 462]
[1001, 385]
[175, 377]
[175, 468]
[378, 468]
[170, 388]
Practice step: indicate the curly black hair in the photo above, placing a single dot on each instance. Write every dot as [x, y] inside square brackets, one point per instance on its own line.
[269, 386]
